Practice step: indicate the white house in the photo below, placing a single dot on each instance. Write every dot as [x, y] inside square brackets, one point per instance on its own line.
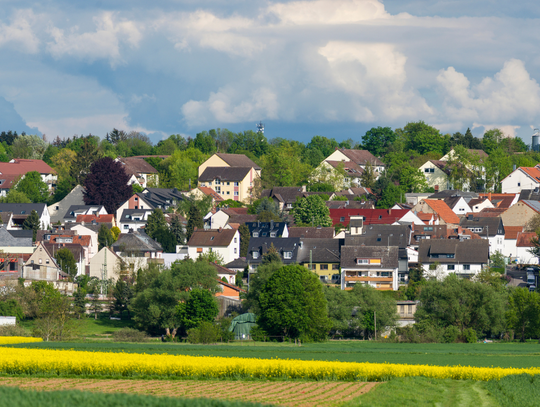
[105, 265]
[224, 242]
[458, 205]
[133, 219]
[523, 246]
[21, 211]
[490, 228]
[521, 178]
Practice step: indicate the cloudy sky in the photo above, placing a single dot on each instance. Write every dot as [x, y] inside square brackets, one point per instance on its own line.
[329, 67]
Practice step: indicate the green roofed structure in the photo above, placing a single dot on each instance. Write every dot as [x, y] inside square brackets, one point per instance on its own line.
[242, 324]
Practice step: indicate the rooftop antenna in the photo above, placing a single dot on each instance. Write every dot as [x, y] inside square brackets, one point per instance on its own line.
[260, 128]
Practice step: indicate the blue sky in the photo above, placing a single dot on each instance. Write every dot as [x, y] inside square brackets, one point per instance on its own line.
[329, 67]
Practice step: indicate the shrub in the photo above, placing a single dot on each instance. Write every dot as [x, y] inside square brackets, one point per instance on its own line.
[451, 334]
[130, 335]
[470, 335]
[13, 330]
[205, 333]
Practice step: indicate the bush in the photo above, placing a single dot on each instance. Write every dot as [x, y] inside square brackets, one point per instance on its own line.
[13, 330]
[258, 334]
[205, 333]
[129, 335]
[451, 334]
[470, 335]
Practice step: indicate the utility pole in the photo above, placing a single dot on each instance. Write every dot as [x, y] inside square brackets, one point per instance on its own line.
[375, 321]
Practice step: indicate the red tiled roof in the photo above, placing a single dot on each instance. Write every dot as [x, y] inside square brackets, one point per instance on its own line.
[21, 166]
[372, 216]
[83, 240]
[209, 191]
[443, 210]
[524, 239]
[212, 237]
[488, 213]
[532, 172]
[511, 232]
[136, 166]
[96, 218]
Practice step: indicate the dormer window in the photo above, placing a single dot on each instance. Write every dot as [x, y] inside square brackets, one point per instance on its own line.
[362, 261]
[255, 255]
[287, 255]
[272, 234]
[255, 234]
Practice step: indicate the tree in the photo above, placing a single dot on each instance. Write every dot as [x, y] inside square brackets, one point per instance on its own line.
[200, 306]
[123, 295]
[105, 236]
[177, 229]
[368, 177]
[53, 312]
[66, 261]
[524, 312]
[195, 220]
[79, 302]
[244, 239]
[32, 223]
[271, 256]
[311, 210]
[28, 146]
[14, 196]
[156, 221]
[424, 138]
[256, 283]
[491, 139]
[107, 185]
[293, 305]
[166, 239]
[378, 139]
[391, 195]
[33, 187]
[87, 154]
[63, 161]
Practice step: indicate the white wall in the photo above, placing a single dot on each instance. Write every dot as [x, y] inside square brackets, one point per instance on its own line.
[516, 181]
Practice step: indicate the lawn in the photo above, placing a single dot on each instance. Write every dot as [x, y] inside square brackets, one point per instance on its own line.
[101, 328]
[480, 355]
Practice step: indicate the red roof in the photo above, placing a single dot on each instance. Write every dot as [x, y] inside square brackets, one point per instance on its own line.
[371, 216]
[97, 218]
[532, 172]
[511, 232]
[209, 191]
[524, 239]
[19, 166]
[443, 210]
[83, 240]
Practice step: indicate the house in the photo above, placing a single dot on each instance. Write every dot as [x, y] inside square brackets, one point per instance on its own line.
[12, 264]
[230, 175]
[521, 178]
[510, 241]
[58, 209]
[370, 216]
[224, 217]
[17, 168]
[105, 265]
[90, 230]
[521, 213]
[133, 219]
[138, 250]
[96, 219]
[441, 257]
[437, 174]
[136, 201]
[406, 311]
[316, 232]
[224, 272]
[503, 200]
[439, 207]
[490, 228]
[224, 242]
[139, 171]
[458, 205]
[268, 229]
[76, 210]
[323, 257]
[229, 290]
[344, 168]
[478, 204]
[286, 248]
[162, 198]
[285, 197]
[41, 265]
[523, 247]
[80, 246]
[21, 211]
[14, 244]
[376, 266]
[425, 232]
[203, 192]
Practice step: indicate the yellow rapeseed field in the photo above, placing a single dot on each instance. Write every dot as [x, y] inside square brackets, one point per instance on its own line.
[15, 361]
[11, 340]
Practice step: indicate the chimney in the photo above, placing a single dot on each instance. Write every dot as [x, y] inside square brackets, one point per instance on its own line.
[489, 196]
[271, 224]
[220, 229]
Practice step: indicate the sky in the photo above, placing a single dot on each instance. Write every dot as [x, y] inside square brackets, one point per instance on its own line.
[334, 68]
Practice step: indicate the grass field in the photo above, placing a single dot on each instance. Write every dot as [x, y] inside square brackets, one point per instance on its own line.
[101, 328]
[480, 355]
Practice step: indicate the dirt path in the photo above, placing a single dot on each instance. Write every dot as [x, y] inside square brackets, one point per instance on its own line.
[294, 394]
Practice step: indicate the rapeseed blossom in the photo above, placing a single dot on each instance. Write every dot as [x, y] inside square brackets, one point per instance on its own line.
[68, 362]
[12, 340]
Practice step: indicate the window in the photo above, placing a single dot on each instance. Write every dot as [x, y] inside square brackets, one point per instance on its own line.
[264, 234]
[126, 226]
[212, 237]
[428, 228]
[450, 256]
[228, 193]
[429, 170]
[466, 267]
[434, 256]
[236, 193]
[255, 255]
[324, 279]
[362, 261]
[324, 266]
[236, 184]
[272, 234]
[384, 274]
[199, 249]
[342, 219]
[519, 184]
[136, 198]
[228, 183]
[57, 207]
[287, 255]
[235, 240]
[378, 239]
[335, 266]
[450, 267]
[218, 181]
[32, 261]
[409, 309]
[255, 234]
[47, 261]
[218, 190]
[235, 250]
[40, 261]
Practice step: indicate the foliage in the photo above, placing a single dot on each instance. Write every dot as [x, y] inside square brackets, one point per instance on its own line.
[377, 140]
[243, 230]
[15, 196]
[11, 308]
[293, 305]
[256, 283]
[211, 257]
[311, 210]
[66, 261]
[129, 335]
[201, 306]
[230, 203]
[106, 185]
[122, 293]
[32, 223]
[87, 154]
[195, 220]
[524, 312]
[205, 332]
[105, 236]
[28, 146]
[63, 161]
[515, 390]
[156, 221]
[271, 256]
[33, 187]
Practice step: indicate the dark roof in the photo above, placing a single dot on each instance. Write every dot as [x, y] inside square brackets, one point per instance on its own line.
[162, 198]
[352, 169]
[452, 201]
[529, 194]
[238, 160]
[23, 208]
[231, 174]
[453, 192]
[222, 269]
[7, 239]
[136, 166]
[491, 226]
[128, 214]
[388, 256]
[436, 232]
[136, 241]
[265, 228]
[240, 262]
[212, 237]
[350, 204]
[381, 235]
[75, 210]
[312, 232]
[474, 251]
[286, 195]
[22, 233]
[262, 244]
[322, 250]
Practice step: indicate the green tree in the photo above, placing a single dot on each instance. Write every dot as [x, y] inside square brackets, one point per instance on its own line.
[256, 283]
[166, 239]
[156, 221]
[123, 295]
[368, 177]
[200, 306]
[311, 210]
[378, 139]
[66, 261]
[391, 195]
[14, 196]
[79, 302]
[87, 154]
[491, 139]
[281, 167]
[105, 236]
[524, 312]
[177, 229]
[244, 239]
[32, 223]
[33, 187]
[424, 138]
[195, 220]
[28, 146]
[292, 304]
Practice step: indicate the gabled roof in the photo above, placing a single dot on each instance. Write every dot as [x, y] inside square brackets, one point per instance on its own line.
[158, 197]
[320, 250]
[95, 218]
[81, 240]
[136, 241]
[8, 240]
[312, 232]
[524, 239]
[231, 174]
[75, 210]
[262, 244]
[534, 205]
[474, 251]
[388, 255]
[452, 201]
[443, 210]
[212, 237]
[136, 166]
[238, 160]
[361, 157]
[210, 192]
[265, 228]
[350, 167]
[371, 216]
[488, 212]
[20, 166]
[453, 192]
[511, 232]
[533, 172]
[491, 226]
[42, 247]
[221, 269]
[23, 208]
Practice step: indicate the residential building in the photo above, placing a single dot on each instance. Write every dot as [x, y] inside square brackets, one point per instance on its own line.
[14, 244]
[441, 257]
[224, 242]
[139, 171]
[521, 178]
[162, 198]
[58, 209]
[521, 213]
[138, 250]
[133, 219]
[136, 201]
[316, 232]
[490, 228]
[21, 211]
[80, 246]
[523, 247]
[437, 174]
[286, 248]
[224, 272]
[323, 257]
[106, 264]
[75, 210]
[478, 204]
[203, 192]
[426, 232]
[510, 241]
[458, 205]
[285, 197]
[439, 207]
[41, 265]
[406, 311]
[230, 175]
[17, 168]
[370, 216]
[376, 266]
[268, 229]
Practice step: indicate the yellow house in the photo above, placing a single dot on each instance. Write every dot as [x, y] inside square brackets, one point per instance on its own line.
[230, 175]
[322, 256]
[436, 174]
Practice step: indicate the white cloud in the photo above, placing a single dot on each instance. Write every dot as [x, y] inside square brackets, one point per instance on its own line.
[20, 32]
[508, 130]
[104, 43]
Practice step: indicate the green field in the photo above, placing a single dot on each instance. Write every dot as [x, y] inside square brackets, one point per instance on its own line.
[101, 328]
[481, 355]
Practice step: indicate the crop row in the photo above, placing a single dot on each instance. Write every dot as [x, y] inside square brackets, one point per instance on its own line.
[16, 361]
[12, 340]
